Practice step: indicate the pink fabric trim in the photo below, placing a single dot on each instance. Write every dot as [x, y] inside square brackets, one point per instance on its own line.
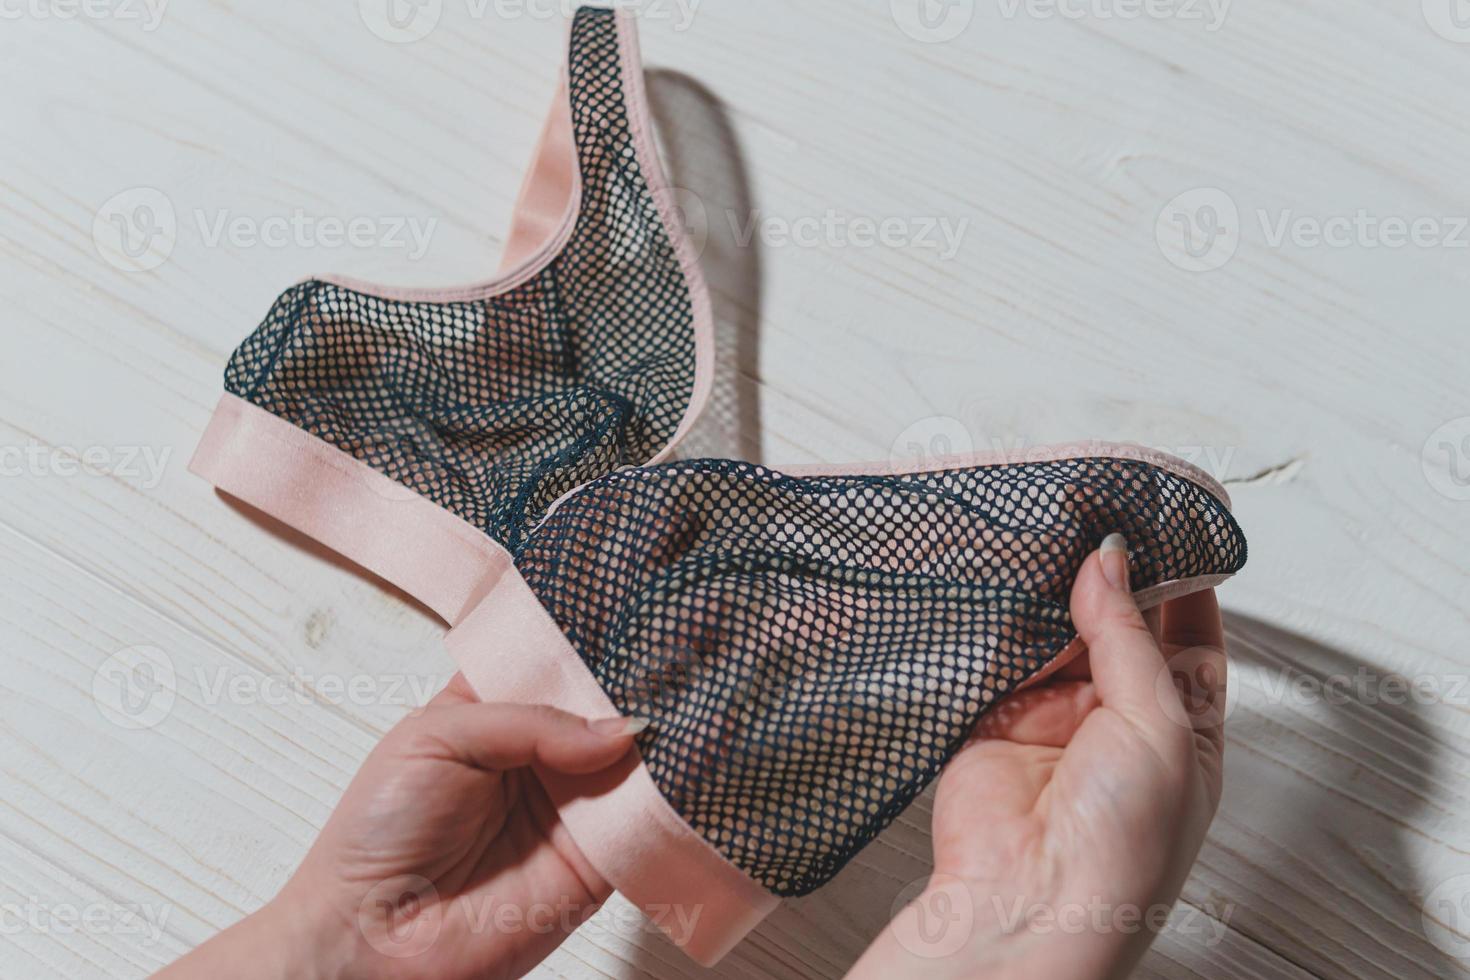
[552, 189]
[635, 99]
[537, 191]
[1036, 454]
[368, 518]
[508, 648]
[537, 234]
[511, 650]
[1154, 595]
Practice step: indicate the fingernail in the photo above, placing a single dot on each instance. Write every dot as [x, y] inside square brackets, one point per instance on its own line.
[618, 726]
[1114, 557]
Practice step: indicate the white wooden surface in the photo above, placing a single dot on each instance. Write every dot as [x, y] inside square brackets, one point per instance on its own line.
[1311, 377]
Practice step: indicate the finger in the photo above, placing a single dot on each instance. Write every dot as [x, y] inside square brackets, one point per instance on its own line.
[1193, 621]
[1080, 669]
[457, 691]
[509, 736]
[1199, 676]
[1195, 650]
[1194, 639]
[1153, 618]
[1126, 662]
[1049, 714]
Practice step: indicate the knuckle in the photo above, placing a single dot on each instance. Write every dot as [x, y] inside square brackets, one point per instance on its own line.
[544, 716]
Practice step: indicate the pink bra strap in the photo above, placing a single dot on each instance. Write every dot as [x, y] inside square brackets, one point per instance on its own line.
[552, 187]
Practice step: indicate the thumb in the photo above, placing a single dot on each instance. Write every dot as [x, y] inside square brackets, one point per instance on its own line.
[1126, 660]
[511, 736]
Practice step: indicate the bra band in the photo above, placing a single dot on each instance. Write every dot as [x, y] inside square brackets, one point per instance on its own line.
[811, 646]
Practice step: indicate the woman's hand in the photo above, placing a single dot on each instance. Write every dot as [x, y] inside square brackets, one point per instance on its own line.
[1064, 831]
[443, 859]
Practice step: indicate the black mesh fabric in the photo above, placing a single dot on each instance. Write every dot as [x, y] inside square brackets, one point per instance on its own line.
[812, 651]
[495, 406]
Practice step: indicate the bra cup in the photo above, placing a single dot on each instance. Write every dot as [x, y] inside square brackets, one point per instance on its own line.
[495, 402]
[812, 650]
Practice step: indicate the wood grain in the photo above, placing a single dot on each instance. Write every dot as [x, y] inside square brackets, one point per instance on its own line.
[1309, 378]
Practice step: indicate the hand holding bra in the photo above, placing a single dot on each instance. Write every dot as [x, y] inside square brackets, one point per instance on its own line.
[811, 647]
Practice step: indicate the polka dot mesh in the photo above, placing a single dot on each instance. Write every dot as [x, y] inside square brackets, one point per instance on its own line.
[812, 651]
[495, 406]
